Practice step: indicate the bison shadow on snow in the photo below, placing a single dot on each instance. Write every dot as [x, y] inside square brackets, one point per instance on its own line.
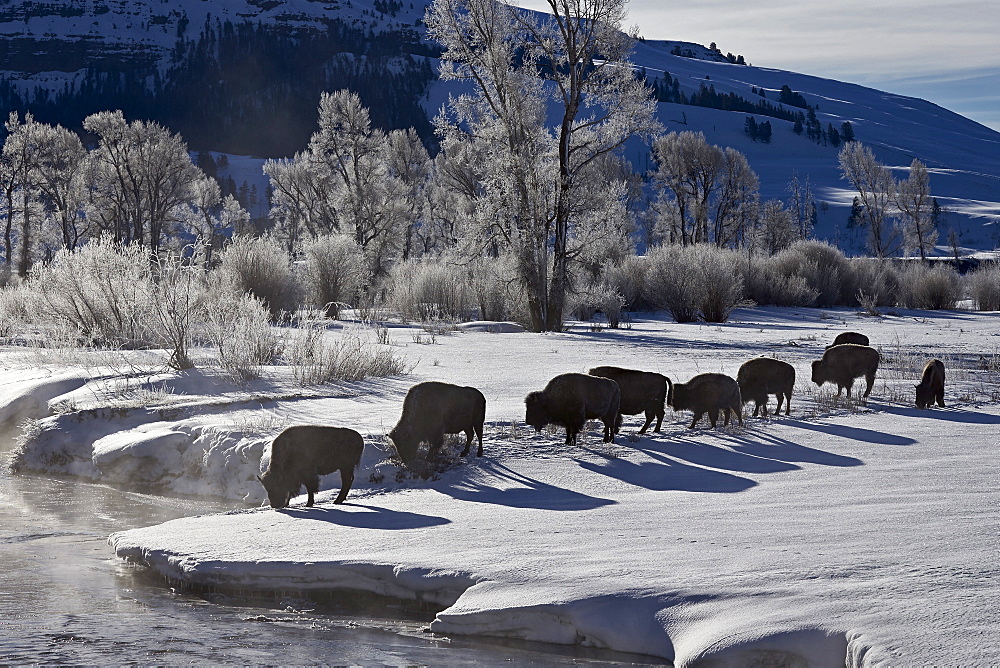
[854, 433]
[528, 492]
[369, 517]
[944, 414]
[667, 475]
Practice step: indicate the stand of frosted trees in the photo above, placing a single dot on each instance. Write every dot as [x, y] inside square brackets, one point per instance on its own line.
[528, 199]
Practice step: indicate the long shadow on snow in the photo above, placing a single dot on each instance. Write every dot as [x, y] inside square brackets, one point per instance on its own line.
[769, 446]
[671, 345]
[945, 414]
[852, 433]
[700, 453]
[372, 517]
[531, 494]
[668, 476]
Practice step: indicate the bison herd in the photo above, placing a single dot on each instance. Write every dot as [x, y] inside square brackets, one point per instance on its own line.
[299, 455]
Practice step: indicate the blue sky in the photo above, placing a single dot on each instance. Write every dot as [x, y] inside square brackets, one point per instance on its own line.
[945, 52]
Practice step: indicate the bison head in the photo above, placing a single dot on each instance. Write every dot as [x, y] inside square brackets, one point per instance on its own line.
[405, 442]
[536, 410]
[925, 396]
[819, 372]
[279, 490]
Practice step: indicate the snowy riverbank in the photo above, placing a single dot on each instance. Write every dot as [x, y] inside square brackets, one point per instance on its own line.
[835, 535]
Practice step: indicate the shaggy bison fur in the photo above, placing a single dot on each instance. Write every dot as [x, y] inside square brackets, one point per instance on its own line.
[842, 364]
[570, 400]
[433, 409]
[763, 376]
[641, 392]
[849, 337]
[300, 455]
[931, 387]
[708, 393]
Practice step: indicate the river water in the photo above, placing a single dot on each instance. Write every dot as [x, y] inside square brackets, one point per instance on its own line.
[66, 599]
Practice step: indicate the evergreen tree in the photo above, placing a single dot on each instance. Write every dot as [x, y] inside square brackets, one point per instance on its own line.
[846, 132]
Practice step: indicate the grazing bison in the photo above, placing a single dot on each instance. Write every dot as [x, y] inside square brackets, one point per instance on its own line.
[433, 409]
[300, 455]
[570, 400]
[931, 387]
[641, 392]
[849, 337]
[842, 364]
[708, 393]
[764, 376]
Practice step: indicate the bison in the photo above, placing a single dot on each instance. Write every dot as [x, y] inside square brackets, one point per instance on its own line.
[570, 400]
[764, 376]
[433, 409]
[842, 364]
[301, 454]
[849, 337]
[931, 387]
[708, 393]
[641, 392]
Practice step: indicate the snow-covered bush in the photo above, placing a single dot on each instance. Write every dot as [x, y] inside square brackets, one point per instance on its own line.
[824, 268]
[721, 283]
[931, 288]
[431, 289]
[878, 280]
[239, 326]
[262, 267]
[599, 296]
[492, 282]
[628, 278]
[983, 286]
[334, 271]
[765, 284]
[97, 291]
[694, 281]
[317, 356]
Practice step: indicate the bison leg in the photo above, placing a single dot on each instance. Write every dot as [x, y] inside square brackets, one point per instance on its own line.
[870, 379]
[788, 403]
[609, 429]
[346, 480]
[939, 395]
[312, 486]
[650, 414]
[697, 416]
[479, 435]
[713, 416]
[571, 435]
[659, 418]
[468, 440]
[738, 410]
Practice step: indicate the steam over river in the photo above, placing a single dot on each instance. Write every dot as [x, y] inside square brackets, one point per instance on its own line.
[64, 598]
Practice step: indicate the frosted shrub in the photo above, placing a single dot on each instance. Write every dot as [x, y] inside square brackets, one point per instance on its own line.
[318, 357]
[694, 281]
[97, 291]
[12, 310]
[765, 284]
[670, 283]
[983, 286]
[878, 280]
[597, 297]
[334, 272]
[492, 279]
[174, 299]
[262, 267]
[430, 289]
[932, 288]
[722, 285]
[628, 278]
[824, 268]
[239, 327]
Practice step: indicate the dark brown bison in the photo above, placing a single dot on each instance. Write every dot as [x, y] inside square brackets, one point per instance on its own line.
[842, 364]
[758, 378]
[849, 337]
[300, 455]
[641, 392]
[433, 409]
[931, 387]
[708, 393]
[569, 400]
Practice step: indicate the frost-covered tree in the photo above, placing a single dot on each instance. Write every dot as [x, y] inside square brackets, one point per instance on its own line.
[22, 193]
[913, 199]
[141, 177]
[775, 230]
[583, 55]
[802, 204]
[876, 188]
[738, 201]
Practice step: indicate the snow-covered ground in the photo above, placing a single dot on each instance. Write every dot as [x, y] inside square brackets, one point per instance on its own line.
[842, 533]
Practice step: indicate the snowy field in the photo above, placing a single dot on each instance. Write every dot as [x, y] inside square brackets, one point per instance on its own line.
[844, 533]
